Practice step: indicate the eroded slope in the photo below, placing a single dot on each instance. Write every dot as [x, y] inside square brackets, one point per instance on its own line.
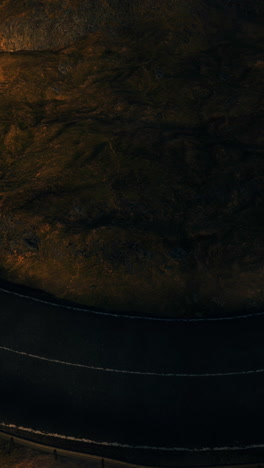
[131, 167]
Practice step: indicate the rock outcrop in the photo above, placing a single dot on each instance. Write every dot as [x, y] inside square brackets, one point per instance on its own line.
[131, 138]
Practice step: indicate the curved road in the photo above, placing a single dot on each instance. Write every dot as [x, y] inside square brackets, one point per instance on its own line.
[143, 390]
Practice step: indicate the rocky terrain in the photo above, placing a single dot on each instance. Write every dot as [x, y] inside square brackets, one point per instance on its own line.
[131, 139]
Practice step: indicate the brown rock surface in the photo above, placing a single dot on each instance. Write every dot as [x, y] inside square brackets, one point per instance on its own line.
[131, 136]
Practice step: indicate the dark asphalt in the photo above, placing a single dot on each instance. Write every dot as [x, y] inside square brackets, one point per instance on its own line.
[166, 411]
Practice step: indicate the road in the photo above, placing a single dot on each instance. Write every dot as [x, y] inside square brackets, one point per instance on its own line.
[143, 390]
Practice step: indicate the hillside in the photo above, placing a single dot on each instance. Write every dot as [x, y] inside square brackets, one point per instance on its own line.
[131, 139]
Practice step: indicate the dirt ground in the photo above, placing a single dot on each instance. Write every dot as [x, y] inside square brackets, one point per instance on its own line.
[22, 457]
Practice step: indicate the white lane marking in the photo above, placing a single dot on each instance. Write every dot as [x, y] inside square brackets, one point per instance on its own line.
[117, 444]
[123, 371]
[134, 317]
